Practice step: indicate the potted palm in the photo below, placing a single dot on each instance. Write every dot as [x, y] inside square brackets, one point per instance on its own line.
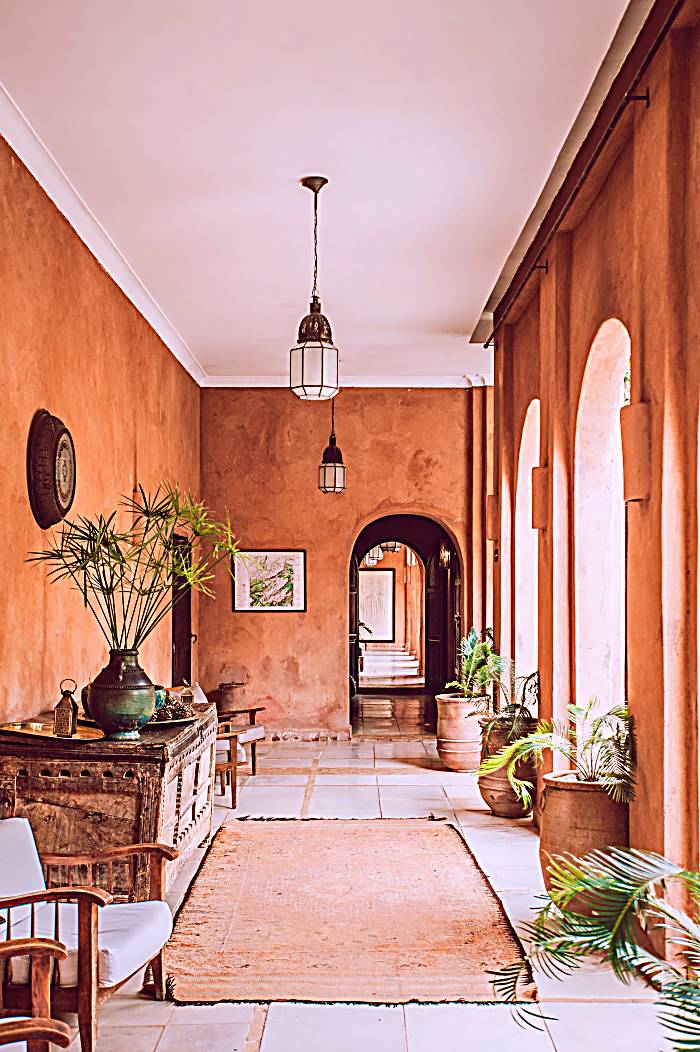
[599, 906]
[130, 576]
[519, 697]
[586, 808]
[458, 730]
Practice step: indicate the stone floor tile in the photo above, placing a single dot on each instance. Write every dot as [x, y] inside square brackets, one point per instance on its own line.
[347, 778]
[124, 1039]
[278, 801]
[605, 1028]
[204, 1037]
[400, 749]
[334, 1028]
[413, 802]
[388, 776]
[592, 983]
[226, 1012]
[342, 801]
[272, 763]
[132, 1010]
[266, 779]
[471, 1028]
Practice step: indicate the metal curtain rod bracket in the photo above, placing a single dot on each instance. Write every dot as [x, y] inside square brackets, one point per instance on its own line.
[644, 97]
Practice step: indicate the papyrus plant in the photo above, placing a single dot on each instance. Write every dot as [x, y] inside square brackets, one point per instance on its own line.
[131, 576]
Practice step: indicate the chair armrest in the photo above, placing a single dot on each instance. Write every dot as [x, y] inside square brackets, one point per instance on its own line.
[88, 895]
[246, 708]
[32, 948]
[111, 854]
[36, 1029]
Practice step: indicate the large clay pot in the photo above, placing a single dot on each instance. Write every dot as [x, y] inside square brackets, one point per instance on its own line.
[122, 697]
[495, 788]
[458, 732]
[578, 817]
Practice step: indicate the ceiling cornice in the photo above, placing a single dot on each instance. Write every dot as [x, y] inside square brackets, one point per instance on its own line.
[36, 156]
[354, 381]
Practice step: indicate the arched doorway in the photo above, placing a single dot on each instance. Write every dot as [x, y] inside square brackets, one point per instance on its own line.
[526, 547]
[442, 592]
[392, 619]
[599, 521]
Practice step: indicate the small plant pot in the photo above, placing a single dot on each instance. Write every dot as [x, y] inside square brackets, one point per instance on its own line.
[578, 817]
[458, 732]
[495, 789]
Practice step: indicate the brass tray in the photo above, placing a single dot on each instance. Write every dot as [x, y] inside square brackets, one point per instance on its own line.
[37, 729]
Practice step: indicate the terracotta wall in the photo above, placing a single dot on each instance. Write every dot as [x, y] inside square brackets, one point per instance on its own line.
[630, 250]
[415, 610]
[406, 451]
[73, 344]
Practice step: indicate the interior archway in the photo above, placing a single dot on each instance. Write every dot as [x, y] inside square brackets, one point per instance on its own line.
[526, 546]
[441, 599]
[599, 521]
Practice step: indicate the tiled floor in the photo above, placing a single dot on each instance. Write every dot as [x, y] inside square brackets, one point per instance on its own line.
[589, 1013]
[398, 715]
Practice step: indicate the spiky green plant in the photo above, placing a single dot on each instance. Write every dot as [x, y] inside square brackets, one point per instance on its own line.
[596, 908]
[480, 666]
[599, 749]
[131, 576]
[519, 698]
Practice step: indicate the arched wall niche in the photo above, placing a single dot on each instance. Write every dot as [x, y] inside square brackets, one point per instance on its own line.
[526, 547]
[599, 521]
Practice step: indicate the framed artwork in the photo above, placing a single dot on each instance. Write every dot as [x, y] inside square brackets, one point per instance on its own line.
[270, 581]
[377, 610]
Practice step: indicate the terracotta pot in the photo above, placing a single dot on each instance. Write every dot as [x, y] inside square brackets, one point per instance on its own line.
[578, 817]
[495, 789]
[458, 732]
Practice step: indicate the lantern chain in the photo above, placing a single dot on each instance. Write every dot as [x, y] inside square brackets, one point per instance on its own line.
[314, 291]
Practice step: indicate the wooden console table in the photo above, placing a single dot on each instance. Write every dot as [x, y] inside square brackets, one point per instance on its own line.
[84, 796]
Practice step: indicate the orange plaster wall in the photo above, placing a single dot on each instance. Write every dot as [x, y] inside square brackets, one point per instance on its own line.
[633, 255]
[73, 344]
[405, 451]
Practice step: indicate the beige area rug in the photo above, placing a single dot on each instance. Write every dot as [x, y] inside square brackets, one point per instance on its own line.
[379, 912]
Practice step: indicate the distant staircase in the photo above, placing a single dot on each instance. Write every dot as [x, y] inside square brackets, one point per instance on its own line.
[390, 666]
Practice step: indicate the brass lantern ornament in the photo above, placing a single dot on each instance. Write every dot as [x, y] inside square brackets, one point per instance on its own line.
[331, 472]
[313, 361]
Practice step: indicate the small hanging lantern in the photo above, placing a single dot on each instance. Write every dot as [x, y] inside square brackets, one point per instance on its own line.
[331, 472]
[65, 715]
[444, 555]
[370, 560]
[377, 554]
[313, 361]
[390, 546]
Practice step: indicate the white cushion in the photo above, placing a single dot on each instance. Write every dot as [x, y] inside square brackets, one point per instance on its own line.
[200, 697]
[16, 1046]
[20, 868]
[130, 935]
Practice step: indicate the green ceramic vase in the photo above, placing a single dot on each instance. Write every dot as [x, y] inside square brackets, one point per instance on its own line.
[122, 697]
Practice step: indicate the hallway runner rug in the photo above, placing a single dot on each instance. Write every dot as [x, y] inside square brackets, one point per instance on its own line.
[374, 912]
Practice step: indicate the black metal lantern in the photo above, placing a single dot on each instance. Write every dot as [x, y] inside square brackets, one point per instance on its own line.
[331, 472]
[313, 361]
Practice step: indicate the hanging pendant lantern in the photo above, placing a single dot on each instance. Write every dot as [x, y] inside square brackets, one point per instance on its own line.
[313, 361]
[370, 559]
[331, 472]
[390, 546]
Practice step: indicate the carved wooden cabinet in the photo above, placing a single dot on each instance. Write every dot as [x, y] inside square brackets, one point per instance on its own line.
[83, 796]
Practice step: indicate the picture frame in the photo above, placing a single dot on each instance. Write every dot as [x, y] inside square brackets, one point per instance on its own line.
[269, 581]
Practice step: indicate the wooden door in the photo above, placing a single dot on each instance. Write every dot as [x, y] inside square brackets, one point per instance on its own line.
[182, 637]
[435, 623]
[354, 624]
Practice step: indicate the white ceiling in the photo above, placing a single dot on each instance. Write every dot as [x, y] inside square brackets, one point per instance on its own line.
[184, 126]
